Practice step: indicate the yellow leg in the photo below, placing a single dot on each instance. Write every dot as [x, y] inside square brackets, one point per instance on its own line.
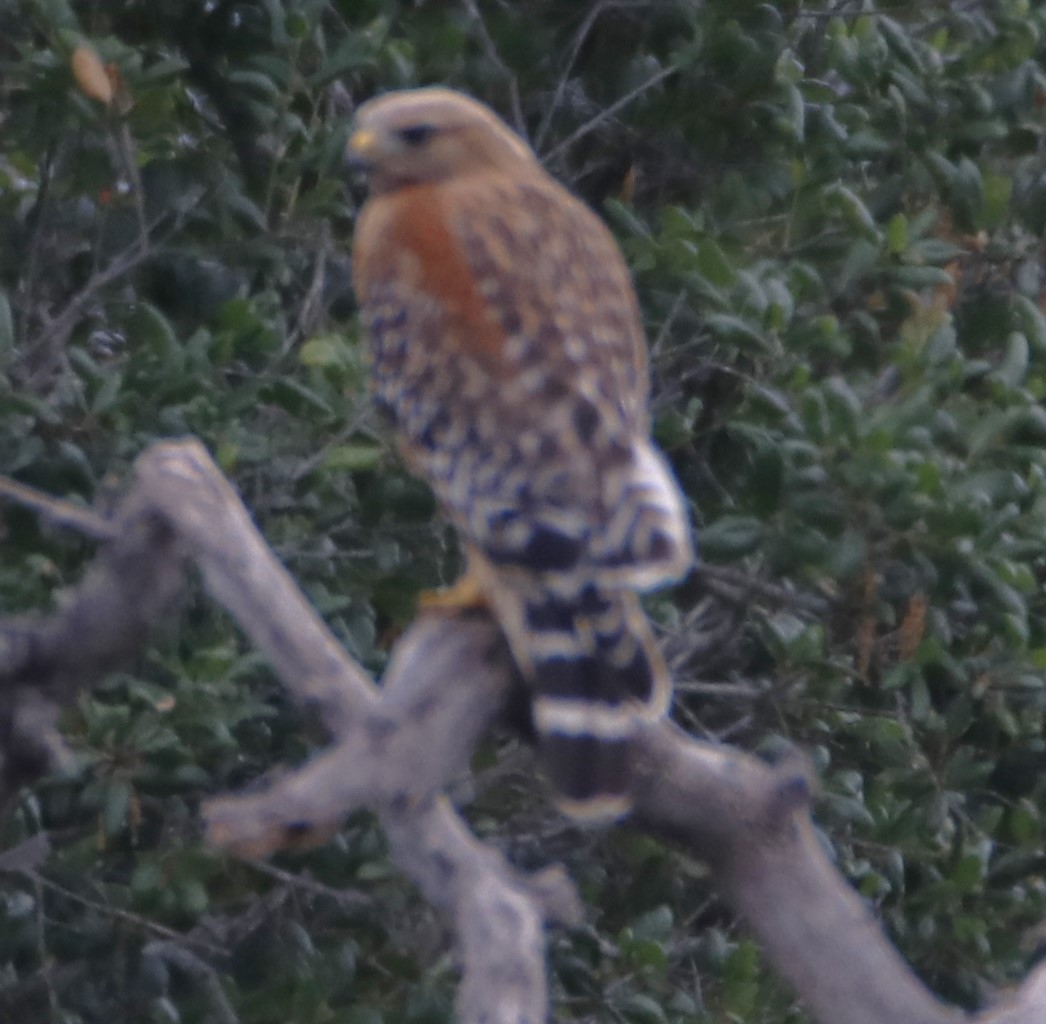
[464, 594]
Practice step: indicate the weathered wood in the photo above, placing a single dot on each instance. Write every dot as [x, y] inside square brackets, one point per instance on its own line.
[396, 747]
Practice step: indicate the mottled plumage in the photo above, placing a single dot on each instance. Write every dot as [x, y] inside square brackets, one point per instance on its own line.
[508, 351]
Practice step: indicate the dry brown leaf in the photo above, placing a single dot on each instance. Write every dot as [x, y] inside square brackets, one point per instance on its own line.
[913, 627]
[91, 76]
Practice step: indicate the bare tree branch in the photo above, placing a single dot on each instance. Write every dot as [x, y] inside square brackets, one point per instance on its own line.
[132, 587]
[56, 330]
[494, 55]
[56, 510]
[607, 113]
[136, 921]
[575, 48]
[396, 748]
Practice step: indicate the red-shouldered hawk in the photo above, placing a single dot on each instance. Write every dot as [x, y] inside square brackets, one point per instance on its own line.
[508, 349]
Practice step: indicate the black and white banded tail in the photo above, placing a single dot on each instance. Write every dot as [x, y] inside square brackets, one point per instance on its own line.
[597, 675]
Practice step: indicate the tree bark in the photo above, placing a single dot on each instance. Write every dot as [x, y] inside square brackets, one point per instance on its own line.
[395, 748]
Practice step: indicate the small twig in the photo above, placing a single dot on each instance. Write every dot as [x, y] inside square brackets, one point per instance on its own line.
[57, 511]
[494, 55]
[557, 97]
[279, 148]
[125, 146]
[605, 115]
[41, 938]
[342, 897]
[42, 197]
[57, 329]
[830, 15]
[662, 334]
[313, 298]
[735, 584]
[308, 466]
[141, 923]
[720, 691]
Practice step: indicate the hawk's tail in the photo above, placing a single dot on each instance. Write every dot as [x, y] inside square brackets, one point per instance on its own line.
[597, 675]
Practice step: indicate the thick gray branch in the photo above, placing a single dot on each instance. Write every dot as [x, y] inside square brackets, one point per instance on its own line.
[45, 660]
[397, 747]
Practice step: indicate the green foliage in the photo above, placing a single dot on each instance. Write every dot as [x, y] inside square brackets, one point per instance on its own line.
[835, 217]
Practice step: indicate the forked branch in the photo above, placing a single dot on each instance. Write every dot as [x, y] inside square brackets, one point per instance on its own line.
[395, 748]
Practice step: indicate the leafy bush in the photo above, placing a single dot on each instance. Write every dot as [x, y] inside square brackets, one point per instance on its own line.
[835, 217]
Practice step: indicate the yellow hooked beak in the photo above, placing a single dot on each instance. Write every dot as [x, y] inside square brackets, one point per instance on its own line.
[362, 144]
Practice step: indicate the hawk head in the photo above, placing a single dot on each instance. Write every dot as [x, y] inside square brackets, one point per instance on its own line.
[427, 136]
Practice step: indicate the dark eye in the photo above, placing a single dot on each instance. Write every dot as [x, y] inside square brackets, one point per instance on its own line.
[417, 134]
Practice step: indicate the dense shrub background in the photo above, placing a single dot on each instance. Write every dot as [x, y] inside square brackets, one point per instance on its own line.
[835, 215]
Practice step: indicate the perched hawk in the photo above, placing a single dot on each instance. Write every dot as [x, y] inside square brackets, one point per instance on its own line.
[508, 350]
